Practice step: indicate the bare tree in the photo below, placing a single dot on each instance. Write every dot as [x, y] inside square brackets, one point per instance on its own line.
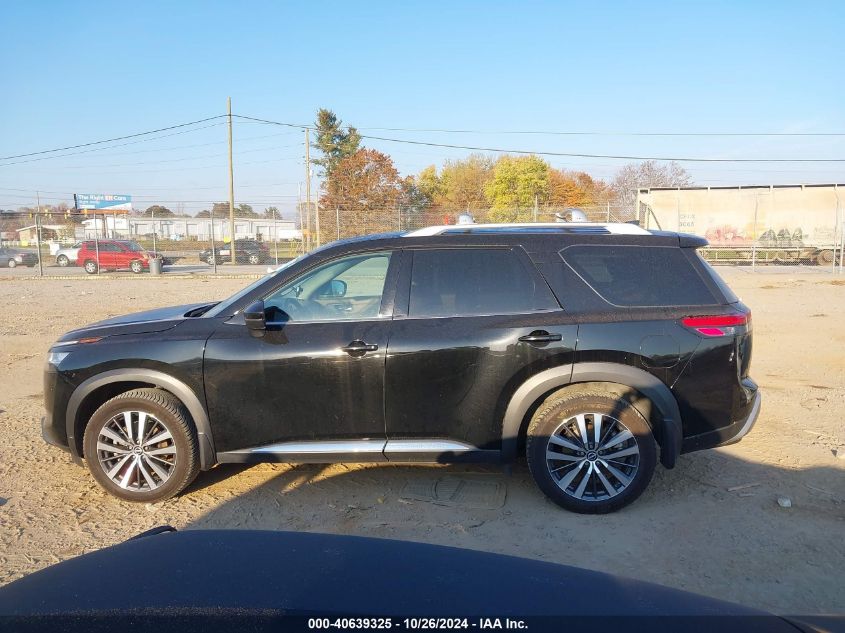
[646, 174]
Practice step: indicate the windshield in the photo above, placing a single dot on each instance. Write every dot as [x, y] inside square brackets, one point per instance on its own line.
[224, 306]
[134, 246]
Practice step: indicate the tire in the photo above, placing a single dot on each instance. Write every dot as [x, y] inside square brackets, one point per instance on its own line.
[12, 263]
[824, 258]
[136, 267]
[141, 476]
[91, 267]
[254, 259]
[584, 479]
[210, 260]
[63, 261]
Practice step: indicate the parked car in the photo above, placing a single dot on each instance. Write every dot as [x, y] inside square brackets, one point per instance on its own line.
[11, 257]
[134, 246]
[68, 255]
[595, 349]
[112, 255]
[246, 252]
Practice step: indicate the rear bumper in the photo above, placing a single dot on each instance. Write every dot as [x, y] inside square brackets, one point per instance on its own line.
[735, 431]
[748, 423]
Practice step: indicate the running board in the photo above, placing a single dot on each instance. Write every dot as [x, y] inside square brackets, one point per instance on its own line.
[329, 451]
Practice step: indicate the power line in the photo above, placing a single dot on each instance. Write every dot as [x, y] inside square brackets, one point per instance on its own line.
[678, 159]
[111, 140]
[550, 132]
[570, 154]
[171, 148]
[177, 188]
[101, 149]
[556, 133]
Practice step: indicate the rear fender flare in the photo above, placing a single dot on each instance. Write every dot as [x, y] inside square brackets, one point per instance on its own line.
[668, 434]
[153, 377]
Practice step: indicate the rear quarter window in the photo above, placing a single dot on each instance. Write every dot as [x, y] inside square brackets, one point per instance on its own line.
[639, 276]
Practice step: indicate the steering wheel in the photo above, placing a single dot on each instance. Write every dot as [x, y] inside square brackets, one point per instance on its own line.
[294, 309]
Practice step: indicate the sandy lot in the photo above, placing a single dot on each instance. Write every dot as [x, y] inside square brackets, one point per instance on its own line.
[702, 526]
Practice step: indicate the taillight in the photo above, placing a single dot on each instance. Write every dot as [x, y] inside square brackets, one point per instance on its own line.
[717, 324]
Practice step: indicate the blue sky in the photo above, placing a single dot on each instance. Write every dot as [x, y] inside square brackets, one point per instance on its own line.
[84, 71]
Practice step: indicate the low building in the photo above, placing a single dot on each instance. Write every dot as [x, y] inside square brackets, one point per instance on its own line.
[190, 228]
[48, 232]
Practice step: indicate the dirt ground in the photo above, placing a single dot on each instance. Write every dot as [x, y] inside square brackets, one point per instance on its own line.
[712, 525]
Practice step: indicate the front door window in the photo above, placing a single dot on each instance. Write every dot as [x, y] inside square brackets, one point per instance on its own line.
[349, 288]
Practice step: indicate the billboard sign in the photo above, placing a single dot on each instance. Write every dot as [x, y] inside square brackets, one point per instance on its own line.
[103, 202]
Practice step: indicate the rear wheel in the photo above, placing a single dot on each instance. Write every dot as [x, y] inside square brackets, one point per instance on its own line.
[824, 258]
[254, 259]
[90, 267]
[590, 452]
[141, 446]
[210, 260]
[12, 263]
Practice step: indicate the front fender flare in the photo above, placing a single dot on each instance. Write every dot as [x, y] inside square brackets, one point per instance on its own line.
[153, 377]
[669, 434]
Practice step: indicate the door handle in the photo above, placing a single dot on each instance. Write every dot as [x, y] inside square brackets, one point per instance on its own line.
[359, 347]
[540, 336]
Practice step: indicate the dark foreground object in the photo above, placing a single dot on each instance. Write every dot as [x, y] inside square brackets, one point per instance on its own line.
[277, 581]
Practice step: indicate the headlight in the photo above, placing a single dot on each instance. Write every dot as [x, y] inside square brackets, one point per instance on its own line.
[54, 358]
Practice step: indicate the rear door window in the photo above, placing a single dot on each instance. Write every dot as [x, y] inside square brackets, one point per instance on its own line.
[639, 276]
[474, 281]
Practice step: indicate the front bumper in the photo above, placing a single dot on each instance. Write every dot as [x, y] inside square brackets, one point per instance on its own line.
[51, 435]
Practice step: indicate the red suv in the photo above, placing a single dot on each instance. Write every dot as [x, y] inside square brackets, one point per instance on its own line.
[113, 254]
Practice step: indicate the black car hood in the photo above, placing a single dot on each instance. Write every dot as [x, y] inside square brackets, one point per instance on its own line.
[156, 320]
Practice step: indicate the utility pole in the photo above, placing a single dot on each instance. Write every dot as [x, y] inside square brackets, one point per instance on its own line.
[535, 207]
[276, 235]
[308, 187]
[317, 221]
[38, 233]
[231, 185]
[301, 220]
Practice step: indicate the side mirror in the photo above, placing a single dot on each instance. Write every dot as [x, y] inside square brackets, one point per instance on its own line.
[338, 288]
[333, 289]
[254, 318]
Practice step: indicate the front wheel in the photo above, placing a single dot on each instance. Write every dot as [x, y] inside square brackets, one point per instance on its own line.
[254, 259]
[90, 267]
[12, 263]
[136, 267]
[62, 261]
[141, 446]
[590, 452]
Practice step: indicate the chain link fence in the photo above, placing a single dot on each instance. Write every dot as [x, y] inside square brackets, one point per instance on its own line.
[746, 226]
[61, 244]
[340, 223]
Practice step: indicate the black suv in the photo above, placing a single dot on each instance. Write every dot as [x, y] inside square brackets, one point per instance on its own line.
[595, 349]
[246, 252]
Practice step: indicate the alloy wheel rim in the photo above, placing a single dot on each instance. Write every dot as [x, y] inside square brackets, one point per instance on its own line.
[136, 451]
[592, 456]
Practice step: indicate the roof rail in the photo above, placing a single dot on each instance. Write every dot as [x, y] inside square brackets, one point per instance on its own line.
[581, 228]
